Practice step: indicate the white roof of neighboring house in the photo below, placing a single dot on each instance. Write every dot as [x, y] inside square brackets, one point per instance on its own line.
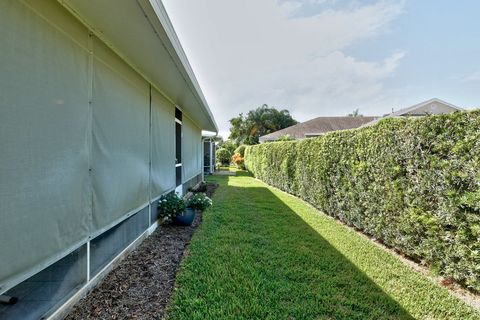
[423, 108]
[432, 106]
[141, 33]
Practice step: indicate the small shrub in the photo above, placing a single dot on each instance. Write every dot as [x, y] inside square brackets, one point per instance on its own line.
[238, 160]
[223, 156]
[170, 205]
[240, 150]
[199, 201]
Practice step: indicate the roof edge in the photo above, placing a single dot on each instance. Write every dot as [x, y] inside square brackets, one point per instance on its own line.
[184, 66]
[421, 104]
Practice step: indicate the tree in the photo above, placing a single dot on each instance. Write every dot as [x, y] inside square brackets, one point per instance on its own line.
[229, 145]
[355, 113]
[261, 121]
[223, 156]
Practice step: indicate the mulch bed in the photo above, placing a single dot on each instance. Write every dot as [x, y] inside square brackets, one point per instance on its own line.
[140, 287]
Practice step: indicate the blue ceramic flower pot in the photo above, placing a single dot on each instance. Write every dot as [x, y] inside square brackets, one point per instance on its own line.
[185, 218]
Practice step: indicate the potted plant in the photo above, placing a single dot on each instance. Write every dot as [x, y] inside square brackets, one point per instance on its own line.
[199, 202]
[170, 206]
[184, 218]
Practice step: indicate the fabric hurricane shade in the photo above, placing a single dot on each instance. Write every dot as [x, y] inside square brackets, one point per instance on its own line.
[163, 145]
[191, 150]
[44, 117]
[85, 140]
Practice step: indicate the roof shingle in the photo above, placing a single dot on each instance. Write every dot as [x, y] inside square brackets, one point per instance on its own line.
[318, 126]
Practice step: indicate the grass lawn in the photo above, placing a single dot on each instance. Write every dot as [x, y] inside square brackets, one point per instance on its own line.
[262, 254]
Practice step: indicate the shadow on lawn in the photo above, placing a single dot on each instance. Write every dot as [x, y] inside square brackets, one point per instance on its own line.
[297, 271]
[243, 173]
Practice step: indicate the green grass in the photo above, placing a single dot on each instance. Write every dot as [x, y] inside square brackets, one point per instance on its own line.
[227, 168]
[263, 254]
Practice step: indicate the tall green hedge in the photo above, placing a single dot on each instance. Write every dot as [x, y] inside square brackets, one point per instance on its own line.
[412, 183]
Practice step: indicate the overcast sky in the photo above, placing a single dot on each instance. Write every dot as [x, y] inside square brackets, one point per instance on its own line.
[329, 57]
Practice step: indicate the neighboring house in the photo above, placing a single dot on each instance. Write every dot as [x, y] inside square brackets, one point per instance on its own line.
[321, 125]
[432, 106]
[100, 114]
[429, 107]
[316, 127]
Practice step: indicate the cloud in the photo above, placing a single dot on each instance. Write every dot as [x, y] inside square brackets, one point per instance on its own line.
[246, 53]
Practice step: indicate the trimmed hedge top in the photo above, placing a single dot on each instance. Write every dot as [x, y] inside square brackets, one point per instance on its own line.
[413, 183]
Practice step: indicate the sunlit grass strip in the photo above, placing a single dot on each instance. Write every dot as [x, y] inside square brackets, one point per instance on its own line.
[262, 254]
